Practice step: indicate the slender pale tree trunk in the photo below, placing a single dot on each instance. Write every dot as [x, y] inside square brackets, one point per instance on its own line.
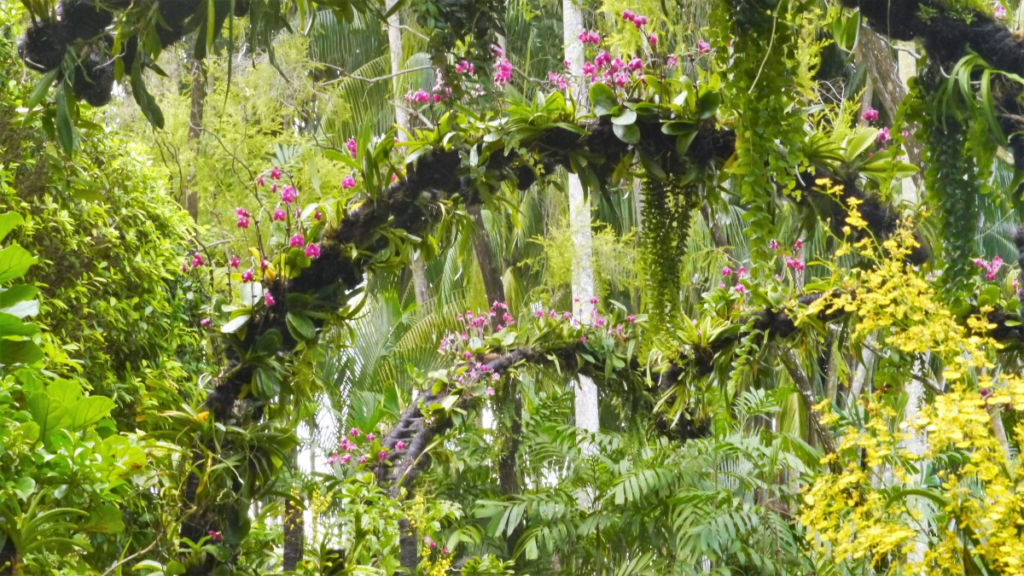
[418, 268]
[579, 221]
[195, 130]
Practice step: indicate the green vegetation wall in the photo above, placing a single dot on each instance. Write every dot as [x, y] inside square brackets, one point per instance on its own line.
[110, 242]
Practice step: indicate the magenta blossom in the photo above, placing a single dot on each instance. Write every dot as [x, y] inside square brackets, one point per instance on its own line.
[628, 15]
[268, 299]
[288, 194]
[1000, 11]
[726, 271]
[382, 454]
[703, 47]
[602, 59]
[204, 322]
[345, 458]
[280, 215]
[489, 391]
[352, 146]
[297, 241]
[430, 543]
[312, 251]
[773, 245]
[215, 536]
[741, 272]
[362, 459]
[672, 62]
[400, 445]
[197, 260]
[355, 433]
[247, 276]
[870, 115]
[371, 437]
[243, 222]
[653, 40]
[631, 319]
[464, 67]
[275, 173]
[799, 244]
[348, 182]
[259, 180]
[235, 262]
[635, 64]
[883, 135]
[639, 21]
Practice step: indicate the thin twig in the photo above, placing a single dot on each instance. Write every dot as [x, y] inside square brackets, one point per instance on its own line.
[346, 75]
[132, 557]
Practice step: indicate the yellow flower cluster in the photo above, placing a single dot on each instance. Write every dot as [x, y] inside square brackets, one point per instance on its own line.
[859, 512]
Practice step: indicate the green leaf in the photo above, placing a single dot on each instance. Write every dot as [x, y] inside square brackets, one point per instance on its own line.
[603, 99]
[145, 100]
[11, 325]
[683, 142]
[860, 142]
[628, 134]
[269, 343]
[16, 300]
[24, 487]
[65, 127]
[89, 411]
[41, 89]
[677, 127]
[9, 221]
[14, 262]
[46, 412]
[105, 519]
[235, 324]
[708, 105]
[19, 352]
[268, 384]
[626, 118]
[301, 327]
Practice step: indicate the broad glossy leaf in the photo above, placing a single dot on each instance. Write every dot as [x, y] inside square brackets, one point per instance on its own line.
[628, 134]
[19, 352]
[105, 519]
[11, 325]
[89, 411]
[14, 262]
[301, 327]
[9, 221]
[602, 98]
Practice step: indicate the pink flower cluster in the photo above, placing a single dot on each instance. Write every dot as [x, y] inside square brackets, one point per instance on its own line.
[611, 69]
[870, 115]
[352, 146]
[990, 268]
[420, 96]
[464, 67]
[558, 80]
[243, 217]
[589, 37]
[502, 72]
[1000, 11]
[884, 135]
[344, 455]
[636, 19]
[703, 48]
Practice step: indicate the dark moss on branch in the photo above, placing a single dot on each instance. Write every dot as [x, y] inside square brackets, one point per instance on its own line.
[83, 19]
[94, 80]
[43, 46]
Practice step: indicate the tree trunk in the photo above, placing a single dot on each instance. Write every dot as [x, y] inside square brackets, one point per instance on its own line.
[579, 221]
[886, 81]
[195, 130]
[294, 531]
